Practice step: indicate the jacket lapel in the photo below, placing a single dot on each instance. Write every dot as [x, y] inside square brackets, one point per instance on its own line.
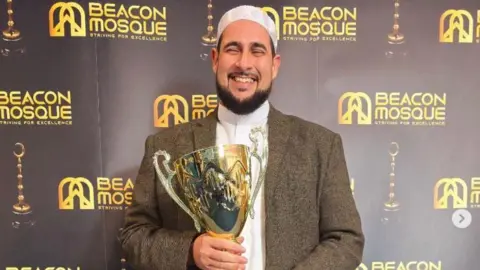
[204, 132]
[199, 134]
[279, 129]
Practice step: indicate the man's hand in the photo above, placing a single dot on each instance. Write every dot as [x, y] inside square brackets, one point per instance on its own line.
[212, 253]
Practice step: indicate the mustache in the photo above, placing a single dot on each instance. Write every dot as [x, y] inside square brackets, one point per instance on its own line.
[243, 73]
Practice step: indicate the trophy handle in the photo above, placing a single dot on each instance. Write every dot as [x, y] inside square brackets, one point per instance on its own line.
[262, 159]
[167, 183]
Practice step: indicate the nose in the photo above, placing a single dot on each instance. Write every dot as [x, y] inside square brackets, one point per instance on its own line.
[244, 61]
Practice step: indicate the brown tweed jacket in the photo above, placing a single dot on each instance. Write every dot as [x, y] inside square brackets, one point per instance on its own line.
[311, 218]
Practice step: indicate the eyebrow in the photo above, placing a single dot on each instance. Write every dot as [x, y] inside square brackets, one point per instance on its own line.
[257, 44]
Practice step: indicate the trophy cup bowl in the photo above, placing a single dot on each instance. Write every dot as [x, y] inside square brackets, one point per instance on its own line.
[214, 186]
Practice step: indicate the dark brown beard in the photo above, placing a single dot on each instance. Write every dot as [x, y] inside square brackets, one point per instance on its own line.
[245, 106]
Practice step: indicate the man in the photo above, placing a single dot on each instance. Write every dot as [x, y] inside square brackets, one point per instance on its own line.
[305, 214]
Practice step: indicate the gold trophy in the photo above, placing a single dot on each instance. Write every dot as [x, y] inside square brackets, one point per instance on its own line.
[214, 185]
[22, 211]
[392, 206]
[11, 36]
[395, 38]
[210, 38]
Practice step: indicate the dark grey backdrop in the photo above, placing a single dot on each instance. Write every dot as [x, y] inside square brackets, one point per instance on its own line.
[114, 83]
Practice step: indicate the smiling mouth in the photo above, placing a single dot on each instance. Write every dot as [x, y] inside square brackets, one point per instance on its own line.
[243, 78]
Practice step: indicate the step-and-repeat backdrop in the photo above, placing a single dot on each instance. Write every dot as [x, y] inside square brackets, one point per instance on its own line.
[82, 84]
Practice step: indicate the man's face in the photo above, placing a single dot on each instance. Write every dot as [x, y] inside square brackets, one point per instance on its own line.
[244, 66]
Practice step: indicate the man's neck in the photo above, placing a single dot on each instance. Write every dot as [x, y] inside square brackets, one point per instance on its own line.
[257, 117]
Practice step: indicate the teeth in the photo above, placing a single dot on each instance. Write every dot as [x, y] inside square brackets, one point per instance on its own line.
[243, 79]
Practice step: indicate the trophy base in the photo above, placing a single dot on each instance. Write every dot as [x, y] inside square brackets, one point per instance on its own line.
[23, 220]
[13, 47]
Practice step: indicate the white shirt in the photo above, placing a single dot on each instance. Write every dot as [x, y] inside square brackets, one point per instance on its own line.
[235, 129]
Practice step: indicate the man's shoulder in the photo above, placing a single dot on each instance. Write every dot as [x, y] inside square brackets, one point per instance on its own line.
[180, 129]
[171, 131]
[311, 136]
[309, 128]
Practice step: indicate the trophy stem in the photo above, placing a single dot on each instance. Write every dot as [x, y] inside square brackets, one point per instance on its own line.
[395, 37]
[209, 39]
[226, 236]
[10, 34]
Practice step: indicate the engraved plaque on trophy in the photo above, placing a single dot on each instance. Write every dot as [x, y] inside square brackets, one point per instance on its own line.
[12, 38]
[23, 214]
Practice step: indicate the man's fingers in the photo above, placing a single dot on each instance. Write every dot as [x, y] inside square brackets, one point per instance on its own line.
[216, 268]
[212, 264]
[227, 245]
[240, 239]
[225, 256]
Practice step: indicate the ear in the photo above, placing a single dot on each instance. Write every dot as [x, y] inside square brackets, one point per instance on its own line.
[275, 66]
[214, 56]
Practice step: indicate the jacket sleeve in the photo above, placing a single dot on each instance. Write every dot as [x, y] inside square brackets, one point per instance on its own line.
[341, 240]
[144, 240]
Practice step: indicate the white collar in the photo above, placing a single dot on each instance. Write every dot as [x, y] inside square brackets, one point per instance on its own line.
[258, 117]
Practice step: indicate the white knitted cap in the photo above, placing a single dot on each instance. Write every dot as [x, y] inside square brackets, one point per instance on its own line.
[251, 13]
